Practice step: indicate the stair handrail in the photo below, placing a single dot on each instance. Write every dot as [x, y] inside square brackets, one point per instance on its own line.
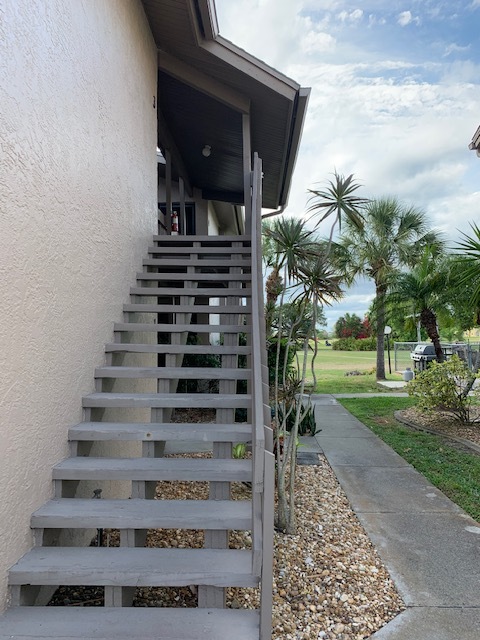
[262, 445]
[258, 443]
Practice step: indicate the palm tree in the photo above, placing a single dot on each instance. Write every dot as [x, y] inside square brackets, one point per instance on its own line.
[423, 287]
[285, 242]
[299, 260]
[338, 198]
[393, 235]
[289, 243]
[470, 263]
[320, 285]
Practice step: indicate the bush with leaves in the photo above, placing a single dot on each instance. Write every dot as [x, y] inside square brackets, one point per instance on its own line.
[285, 350]
[445, 387]
[355, 344]
[287, 410]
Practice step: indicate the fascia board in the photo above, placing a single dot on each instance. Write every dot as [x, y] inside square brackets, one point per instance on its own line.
[294, 142]
[208, 38]
[251, 66]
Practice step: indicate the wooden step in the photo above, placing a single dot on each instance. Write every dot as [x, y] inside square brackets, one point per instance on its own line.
[194, 349]
[166, 400]
[180, 328]
[154, 469]
[128, 623]
[197, 277]
[187, 308]
[174, 373]
[205, 250]
[205, 239]
[134, 567]
[197, 292]
[75, 513]
[154, 432]
[220, 262]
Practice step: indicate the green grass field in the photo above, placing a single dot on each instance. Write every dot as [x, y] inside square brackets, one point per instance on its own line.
[331, 367]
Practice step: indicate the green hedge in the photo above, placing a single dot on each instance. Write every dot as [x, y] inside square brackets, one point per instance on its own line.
[355, 344]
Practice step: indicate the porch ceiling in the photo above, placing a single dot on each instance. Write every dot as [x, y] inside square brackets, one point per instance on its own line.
[205, 84]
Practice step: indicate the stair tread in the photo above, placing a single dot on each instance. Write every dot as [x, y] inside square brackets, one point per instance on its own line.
[214, 292]
[143, 514]
[205, 249]
[202, 238]
[213, 250]
[126, 623]
[191, 373]
[127, 566]
[153, 469]
[177, 348]
[197, 276]
[186, 308]
[179, 400]
[180, 328]
[195, 432]
[223, 262]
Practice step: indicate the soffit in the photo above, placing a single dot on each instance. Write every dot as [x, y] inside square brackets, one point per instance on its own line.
[195, 119]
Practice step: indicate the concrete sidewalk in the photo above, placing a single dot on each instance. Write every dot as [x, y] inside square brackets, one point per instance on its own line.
[429, 545]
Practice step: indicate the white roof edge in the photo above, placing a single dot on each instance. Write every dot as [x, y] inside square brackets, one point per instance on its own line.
[475, 143]
[297, 132]
[237, 57]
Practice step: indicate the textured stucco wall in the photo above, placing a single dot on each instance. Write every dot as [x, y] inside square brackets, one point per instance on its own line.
[77, 208]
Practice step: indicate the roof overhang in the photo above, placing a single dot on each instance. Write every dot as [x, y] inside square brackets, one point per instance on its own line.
[475, 143]
[208, 88]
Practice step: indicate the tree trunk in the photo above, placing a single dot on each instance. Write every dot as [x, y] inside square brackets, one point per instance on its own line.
[273, 286]
[282, 507]
[429, 322]
[315, 343]
[380, 292]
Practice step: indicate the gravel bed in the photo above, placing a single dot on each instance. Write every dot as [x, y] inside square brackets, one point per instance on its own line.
[329, 581]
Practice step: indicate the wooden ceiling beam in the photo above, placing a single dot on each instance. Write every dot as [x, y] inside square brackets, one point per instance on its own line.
[202, 82]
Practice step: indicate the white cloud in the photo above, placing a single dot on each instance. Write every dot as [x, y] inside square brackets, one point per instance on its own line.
[315, 39]
[317, 42]
[405, 17]
[455, 48]
[354, 16]
[374, 20]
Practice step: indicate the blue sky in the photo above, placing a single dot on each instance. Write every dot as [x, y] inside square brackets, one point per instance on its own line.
[395, 99]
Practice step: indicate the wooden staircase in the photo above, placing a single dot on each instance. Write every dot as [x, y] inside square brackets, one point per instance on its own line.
[200, 285]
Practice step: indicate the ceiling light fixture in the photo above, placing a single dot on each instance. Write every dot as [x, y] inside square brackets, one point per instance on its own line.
[206, 151]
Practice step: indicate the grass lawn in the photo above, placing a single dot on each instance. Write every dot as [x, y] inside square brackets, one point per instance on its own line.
[331, 367]
[454, 472]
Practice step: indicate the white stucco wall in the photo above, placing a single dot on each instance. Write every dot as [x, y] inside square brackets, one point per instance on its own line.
[77, 208]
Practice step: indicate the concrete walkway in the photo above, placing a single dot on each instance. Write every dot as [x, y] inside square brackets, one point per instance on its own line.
[429, 545]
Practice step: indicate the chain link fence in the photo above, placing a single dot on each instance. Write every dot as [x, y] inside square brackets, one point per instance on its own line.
[469, 352]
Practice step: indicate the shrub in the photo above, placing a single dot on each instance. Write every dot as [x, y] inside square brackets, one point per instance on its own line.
[351, 326]
[445, 387]
[272, 359]
[353, 344]
[307, 424]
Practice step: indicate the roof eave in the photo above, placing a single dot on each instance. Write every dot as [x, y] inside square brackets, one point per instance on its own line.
[294, 143]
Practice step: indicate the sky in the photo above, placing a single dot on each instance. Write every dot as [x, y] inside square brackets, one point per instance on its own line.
[395, 100]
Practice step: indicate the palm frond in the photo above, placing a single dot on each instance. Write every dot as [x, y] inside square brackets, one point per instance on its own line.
[337, 198]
